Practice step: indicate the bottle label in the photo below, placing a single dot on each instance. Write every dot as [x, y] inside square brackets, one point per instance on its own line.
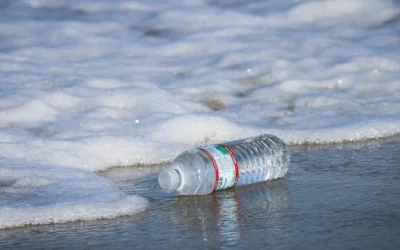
[225, 165]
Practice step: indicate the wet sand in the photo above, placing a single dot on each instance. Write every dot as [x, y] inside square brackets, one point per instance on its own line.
[333, 197]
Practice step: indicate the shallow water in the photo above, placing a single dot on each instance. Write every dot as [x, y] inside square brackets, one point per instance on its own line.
[332, 198]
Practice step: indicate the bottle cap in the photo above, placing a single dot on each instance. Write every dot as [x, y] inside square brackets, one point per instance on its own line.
[169, 179]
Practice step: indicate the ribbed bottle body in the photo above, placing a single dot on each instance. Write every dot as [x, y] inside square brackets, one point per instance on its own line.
[260, 158]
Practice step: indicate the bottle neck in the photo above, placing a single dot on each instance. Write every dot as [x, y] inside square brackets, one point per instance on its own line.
[169, 179]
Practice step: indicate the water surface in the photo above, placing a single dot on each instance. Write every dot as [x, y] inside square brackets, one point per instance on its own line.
[332, 198]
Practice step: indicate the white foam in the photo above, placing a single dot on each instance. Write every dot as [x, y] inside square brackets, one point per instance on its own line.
[328, 12]
[86, 86]
[41, 194]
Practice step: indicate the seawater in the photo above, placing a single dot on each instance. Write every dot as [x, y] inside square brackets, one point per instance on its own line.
[88, 85]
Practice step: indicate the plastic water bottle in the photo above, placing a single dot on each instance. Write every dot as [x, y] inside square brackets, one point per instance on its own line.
[208, 169]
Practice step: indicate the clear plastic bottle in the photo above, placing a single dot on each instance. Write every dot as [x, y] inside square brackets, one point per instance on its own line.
[208, 169]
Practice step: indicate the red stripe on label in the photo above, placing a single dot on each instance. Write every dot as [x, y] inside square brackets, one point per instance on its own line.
[215, 168]
[234, 162]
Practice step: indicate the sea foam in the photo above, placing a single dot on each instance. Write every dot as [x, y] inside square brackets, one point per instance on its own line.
[42, 194]
[88, 85]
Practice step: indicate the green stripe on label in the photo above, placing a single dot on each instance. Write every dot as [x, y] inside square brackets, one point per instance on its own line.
[222, 150]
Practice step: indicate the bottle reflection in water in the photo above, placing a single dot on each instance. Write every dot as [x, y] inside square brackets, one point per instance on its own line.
[224, 217]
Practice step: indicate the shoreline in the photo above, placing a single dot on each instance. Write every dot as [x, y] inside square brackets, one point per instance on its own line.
[312, 146]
